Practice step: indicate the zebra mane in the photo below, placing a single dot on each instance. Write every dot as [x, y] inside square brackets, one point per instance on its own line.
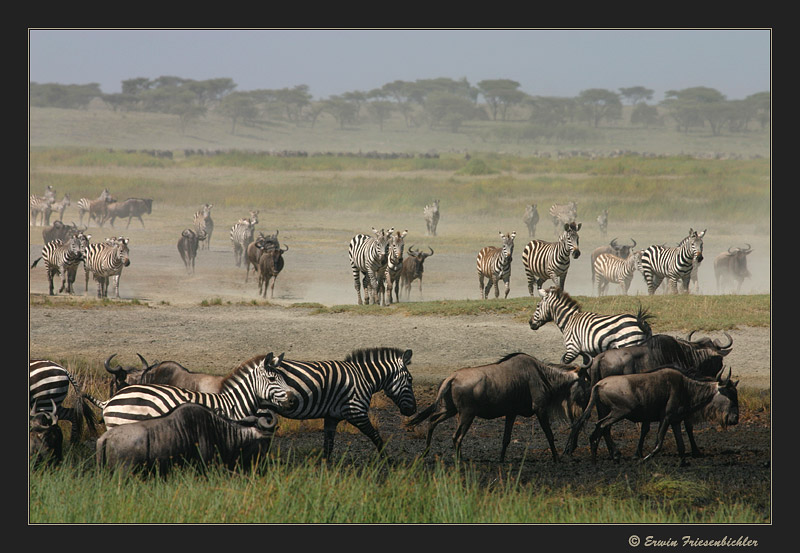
[367, 354]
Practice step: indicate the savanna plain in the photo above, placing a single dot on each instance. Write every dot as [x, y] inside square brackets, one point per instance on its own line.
[214, 319]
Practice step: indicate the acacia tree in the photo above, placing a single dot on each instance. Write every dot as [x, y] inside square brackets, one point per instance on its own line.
[598, 104]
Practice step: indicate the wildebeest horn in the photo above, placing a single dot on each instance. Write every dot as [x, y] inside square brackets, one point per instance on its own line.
[107, 365]
[724, 346]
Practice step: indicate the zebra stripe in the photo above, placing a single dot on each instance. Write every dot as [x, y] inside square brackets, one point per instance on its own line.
[611, 268]
[672, 263]
[342, 390]
[369, 256]
[248, 388]
[586, 332]
[63, 259]
[543, 260]
[106, 260]
[49, 381]
[241, 236]
[494, 265]
[204, 222]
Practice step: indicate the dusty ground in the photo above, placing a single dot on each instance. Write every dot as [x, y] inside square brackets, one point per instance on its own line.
[170, 324]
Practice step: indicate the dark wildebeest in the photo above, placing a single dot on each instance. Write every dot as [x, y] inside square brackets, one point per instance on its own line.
[188, 245]
[191, 434]
[130, 208]
[621, 251]
[45, 440]
[165, 372]
[413, 267]
[732, 265]
[256, 248]
[270, 264]
[666, 396]
[517, 385]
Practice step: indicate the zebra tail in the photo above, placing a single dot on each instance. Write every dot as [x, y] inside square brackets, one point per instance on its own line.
[572, 441]
[444, 388]
[37, 261]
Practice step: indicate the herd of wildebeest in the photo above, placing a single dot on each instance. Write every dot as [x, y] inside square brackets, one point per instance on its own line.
[613, 364]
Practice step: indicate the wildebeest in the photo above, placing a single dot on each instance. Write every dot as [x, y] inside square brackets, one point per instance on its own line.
[531, 219]
[413, 267]
[191, 433]
[270, 264]
[732, 265]
[188, 244]
[516, 385]
[614, 248]
[666, 396]
[700, 358]
[45, 440]
[130, 208]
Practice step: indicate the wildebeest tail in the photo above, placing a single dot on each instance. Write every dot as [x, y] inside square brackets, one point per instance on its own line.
[444, 388]
[572, 441]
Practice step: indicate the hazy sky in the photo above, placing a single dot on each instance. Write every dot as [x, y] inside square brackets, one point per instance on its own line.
[545, 62]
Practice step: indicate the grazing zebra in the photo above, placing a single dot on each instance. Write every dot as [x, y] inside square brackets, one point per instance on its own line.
[394, 263]
[672, 263]
[241, 236]
[49, 382]
[369, 256]
[431, 214]
[106, 260]
[95, 208]
[563, 214]
[610, 268]
[40, 206]
[494, 265]
[342, 390]
[586, 332]
[248, 388]
[602, 221]
[543, 260]
[204, 222]
[531, 219]
[64, 258]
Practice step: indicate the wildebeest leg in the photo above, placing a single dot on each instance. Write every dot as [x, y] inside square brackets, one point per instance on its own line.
[507, 435]
[465, 421]
[544, 421]
[330, 434]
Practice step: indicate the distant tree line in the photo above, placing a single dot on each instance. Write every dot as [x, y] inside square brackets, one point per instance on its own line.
[438, 103]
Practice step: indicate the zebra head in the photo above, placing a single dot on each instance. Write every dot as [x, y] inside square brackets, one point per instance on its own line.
[270, 385]
[695, 244]
[570, 238]
[399, 388]
[507, 240]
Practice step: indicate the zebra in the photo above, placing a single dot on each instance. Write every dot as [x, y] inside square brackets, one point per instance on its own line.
[40, 206]
[585, 332]
[64, 258]
[531, 219]
[563, 214]
[95, 208]
[431, 214]
[204, 222]
[672, 263]
[602, 221]
[494, 265]
[49, 382]
[241, 236]
[342, 390]
[250, 387]
[369, 256]
[610, 268]
[106, 260]
[543, 260]
[394, 263]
